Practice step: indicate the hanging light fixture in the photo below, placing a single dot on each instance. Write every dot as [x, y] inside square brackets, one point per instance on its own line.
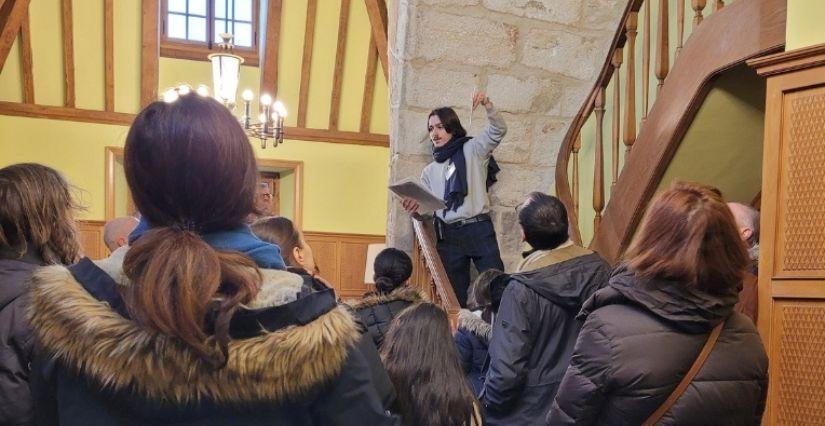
[226, 68]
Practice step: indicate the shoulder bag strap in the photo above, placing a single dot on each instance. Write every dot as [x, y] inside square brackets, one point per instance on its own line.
[683, 385]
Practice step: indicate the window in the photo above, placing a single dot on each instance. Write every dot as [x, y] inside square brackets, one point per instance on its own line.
[192, 28]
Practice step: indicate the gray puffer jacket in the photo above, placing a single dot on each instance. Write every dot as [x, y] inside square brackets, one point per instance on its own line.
[639, 340]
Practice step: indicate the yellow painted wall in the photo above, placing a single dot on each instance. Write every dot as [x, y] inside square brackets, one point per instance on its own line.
[805, 24]
[344, 185]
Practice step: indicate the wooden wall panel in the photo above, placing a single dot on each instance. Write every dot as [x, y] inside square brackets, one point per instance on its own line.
[346, 272]
[91, 238]
[792, 244]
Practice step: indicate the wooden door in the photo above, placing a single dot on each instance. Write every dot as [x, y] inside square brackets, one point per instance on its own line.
[792, 258]
[272, 204]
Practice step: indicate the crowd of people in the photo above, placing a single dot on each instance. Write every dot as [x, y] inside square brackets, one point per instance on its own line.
[209, 312]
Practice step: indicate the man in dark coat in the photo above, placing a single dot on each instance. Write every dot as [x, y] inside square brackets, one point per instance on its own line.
[535, 330]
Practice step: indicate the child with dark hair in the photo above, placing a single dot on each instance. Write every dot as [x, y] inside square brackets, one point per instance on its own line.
[422, 362]
[377, 309]
[472, 337]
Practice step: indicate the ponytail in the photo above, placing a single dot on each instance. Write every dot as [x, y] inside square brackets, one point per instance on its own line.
[175, 277]
[392, 269]
[385, 285]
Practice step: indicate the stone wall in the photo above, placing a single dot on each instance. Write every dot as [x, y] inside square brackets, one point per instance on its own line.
[537, 60]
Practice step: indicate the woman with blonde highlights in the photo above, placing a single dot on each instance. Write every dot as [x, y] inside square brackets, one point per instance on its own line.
[643, 332]
[36, 228]
[202, 325]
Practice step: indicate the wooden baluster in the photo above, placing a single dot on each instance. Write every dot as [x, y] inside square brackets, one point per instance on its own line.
[577, 145]
[698, 7]
[630, 95]
[662, 44]
[680, 25]
[617, 111]
[598, 169]
[718, 4]
[646, 62]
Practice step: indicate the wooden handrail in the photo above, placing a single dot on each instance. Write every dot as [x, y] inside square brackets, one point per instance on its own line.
[429, 273]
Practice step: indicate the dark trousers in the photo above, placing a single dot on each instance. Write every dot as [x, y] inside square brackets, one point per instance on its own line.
[459, 244]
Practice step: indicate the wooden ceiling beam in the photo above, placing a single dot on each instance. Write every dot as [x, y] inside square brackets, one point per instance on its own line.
[268, 52]
[26, 61]
[12, 14]
[338, 73]
[377, 11]
[149, 52]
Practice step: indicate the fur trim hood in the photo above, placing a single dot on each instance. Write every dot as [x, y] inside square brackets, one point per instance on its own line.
[405, 293]
[474, 324]
[89, 337]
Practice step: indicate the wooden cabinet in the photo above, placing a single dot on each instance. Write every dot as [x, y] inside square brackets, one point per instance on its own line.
[792, 258]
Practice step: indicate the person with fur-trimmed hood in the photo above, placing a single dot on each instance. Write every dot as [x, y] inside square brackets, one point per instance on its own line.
[200, 324]
[377, 309]
[535, 330]
[472, 336]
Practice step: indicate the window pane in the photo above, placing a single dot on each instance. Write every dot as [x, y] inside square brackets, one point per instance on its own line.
[197, 7]
[220, 8]
[243, 10]
[220, 27]
[177, 6]
[197, 29]
[243, 34]
[176, 26]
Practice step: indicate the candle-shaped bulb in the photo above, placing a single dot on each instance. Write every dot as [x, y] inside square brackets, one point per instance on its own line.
[203, 90]
[280, 108]
[266, 100]
[170, 96]
[184, 89]
[262, 118]
[247, 95]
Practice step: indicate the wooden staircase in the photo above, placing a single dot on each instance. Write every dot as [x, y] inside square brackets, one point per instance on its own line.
[729, 36]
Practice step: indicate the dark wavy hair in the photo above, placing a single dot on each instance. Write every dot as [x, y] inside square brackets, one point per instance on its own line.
[689, 235]
[422, 361]
[392, 269]
[191, 170]
[37, 213]
[449, 119]
[544, 221]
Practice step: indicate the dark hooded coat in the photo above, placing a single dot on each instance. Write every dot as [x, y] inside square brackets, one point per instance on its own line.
[534, 334]
[293, 360]
[472, 339]
[376, 311]
[16, 340]
[638, 341]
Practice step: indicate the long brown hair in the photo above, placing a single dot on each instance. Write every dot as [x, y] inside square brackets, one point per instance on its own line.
[282, 232]
[422, 361]
[689, 235]
[191, 170]
[37, 213]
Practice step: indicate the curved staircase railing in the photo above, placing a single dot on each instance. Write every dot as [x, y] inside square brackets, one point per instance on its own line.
[428, 271]
[729, 36]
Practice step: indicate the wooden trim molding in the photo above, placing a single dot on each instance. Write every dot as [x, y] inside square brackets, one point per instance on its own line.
[306, 63]
[268, 54]
[149, 52]
[12, 14]
[199, 52]
[792, 60]
[26, 61]
[112, 154]
[323, 135]
[109, 54]
[65, 113]
[68, 54]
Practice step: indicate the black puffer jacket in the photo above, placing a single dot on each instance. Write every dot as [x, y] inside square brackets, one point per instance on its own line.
[534, 334]
[639, 340]
[15, 338]
[293, 360]
[376, 311]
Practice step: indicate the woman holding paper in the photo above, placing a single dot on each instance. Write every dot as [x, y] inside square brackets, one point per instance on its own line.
[462, 171]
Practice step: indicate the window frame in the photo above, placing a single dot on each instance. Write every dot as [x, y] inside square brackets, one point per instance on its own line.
[198, 51]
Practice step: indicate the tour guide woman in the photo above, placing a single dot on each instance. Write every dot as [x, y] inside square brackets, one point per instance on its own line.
[462, 171]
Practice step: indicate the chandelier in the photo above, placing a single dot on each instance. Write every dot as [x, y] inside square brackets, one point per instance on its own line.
[226, 68]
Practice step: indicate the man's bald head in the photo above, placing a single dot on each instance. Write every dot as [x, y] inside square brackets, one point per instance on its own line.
[116, 231]
[747, 219]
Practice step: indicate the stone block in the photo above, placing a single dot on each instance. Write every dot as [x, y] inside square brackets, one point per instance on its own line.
[557, 11]
[547, 139]
[573, 97]
[512, 94]
[515, 147]
[430, 86]
[603, 14]
[464, 39]
[451, 3]
[564, 53]
[410, 134]
[515, 182]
